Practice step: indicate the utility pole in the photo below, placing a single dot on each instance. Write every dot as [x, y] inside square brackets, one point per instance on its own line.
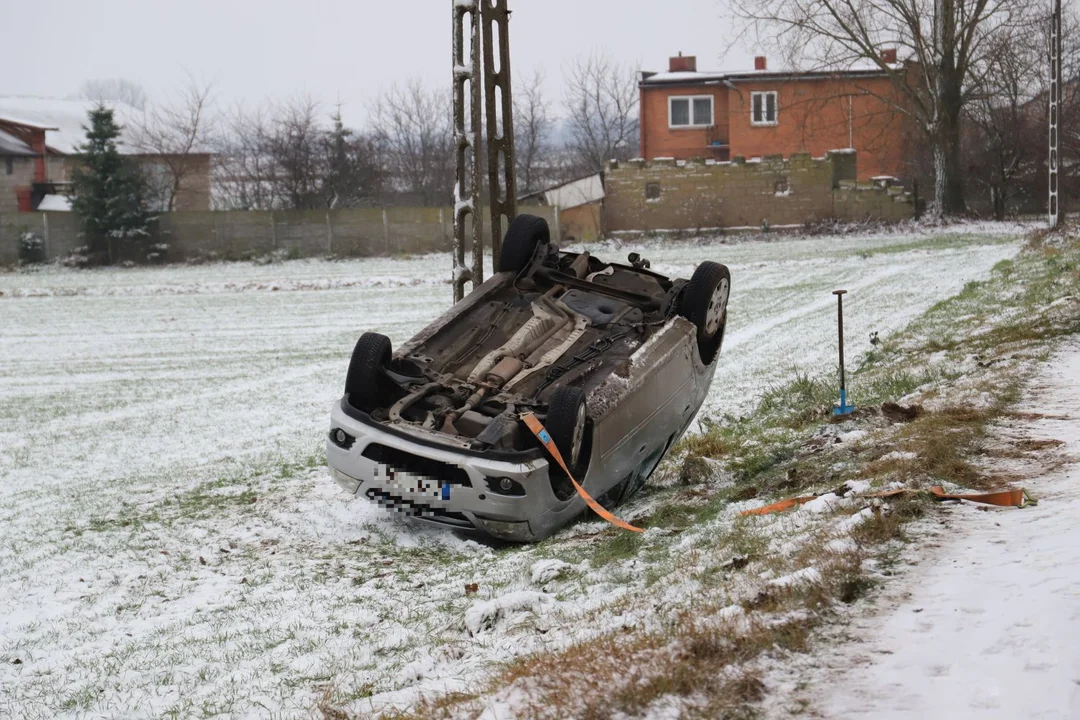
[1054, 205]
[466, 141]
[484, 82]
[500, 122]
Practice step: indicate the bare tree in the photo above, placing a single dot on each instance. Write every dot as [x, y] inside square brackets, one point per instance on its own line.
[1003, 142]
[601, 109]
[949, 44]
[292, 141]
[114, 90]
[533, 123]
[244, 174]
[415, 129]
[179, 135]
[352, 173]
[283, 156]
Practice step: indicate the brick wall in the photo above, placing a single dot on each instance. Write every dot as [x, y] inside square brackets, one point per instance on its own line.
[194, 171]
[677, 195]
[238, 235]
[816, 116]
[22, 176]
[194, 191]
[658, 139]
[583, 223]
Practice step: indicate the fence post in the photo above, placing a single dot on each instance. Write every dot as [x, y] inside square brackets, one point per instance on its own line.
[329, 235]
[386, 229]
[273, 230]
[45, 223]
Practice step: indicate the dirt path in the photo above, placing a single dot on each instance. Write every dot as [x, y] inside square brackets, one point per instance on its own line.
[988, 624]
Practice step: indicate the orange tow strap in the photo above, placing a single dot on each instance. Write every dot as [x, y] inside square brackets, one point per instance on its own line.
[1001, 498]
[544, 437]
[778, 506]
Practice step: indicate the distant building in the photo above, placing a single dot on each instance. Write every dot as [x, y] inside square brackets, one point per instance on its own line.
[39, 147]
[686, 114]
[579, 202]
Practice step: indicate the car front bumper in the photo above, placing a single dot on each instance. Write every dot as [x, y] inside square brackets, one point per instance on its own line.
[466, 502]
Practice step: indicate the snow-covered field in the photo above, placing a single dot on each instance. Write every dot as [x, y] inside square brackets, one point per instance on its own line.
[170, 544]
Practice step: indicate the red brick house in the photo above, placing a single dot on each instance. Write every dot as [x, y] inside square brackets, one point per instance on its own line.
[688, 114]
[40, 143]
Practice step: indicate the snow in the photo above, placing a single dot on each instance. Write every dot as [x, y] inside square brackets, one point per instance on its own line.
[806, 576]
[822, 504]
[55, 203]
[153, 419]
[718, 76]
[855, 487]
[63, 120]
[986, 625]
[848, 524]
[579, 192]
[485, 615]
[11, 145]
[544, 571]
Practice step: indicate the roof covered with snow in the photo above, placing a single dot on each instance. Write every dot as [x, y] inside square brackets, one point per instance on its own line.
[11, 145]
[572, 194]
[62, 120]
[54, 203]
[863, 68]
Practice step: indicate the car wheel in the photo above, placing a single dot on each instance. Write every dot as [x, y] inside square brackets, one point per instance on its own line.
[365, 383]
[566, 422]
[519, 245]
[704, 302]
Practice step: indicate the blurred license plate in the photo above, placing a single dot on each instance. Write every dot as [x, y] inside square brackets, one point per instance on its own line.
[418, 486]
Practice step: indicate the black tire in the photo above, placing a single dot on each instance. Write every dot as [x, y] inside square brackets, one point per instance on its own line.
[698, 304]
[566, 422]
[365, 384]
[519, 244]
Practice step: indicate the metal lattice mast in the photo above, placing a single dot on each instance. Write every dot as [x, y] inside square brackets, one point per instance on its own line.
[500, 121]
[466, 141]
[1054, 205]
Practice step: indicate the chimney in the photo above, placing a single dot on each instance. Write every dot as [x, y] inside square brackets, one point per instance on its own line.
[37, 144]
[760, 63]
[888, 56]
[683, 64]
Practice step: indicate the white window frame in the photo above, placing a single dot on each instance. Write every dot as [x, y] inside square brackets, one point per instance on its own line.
[690, 106]
[763, 94]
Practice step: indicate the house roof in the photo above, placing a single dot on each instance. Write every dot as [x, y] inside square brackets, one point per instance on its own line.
[582, 191]
[54, 203]
[62, 120]
[11, 145]
[855, 70]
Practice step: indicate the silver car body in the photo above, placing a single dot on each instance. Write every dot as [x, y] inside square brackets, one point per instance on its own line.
[635, 415]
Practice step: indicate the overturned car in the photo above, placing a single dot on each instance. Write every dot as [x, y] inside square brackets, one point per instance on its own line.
[614, 359]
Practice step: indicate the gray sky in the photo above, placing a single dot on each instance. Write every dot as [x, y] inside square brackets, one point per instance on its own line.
[255, 50]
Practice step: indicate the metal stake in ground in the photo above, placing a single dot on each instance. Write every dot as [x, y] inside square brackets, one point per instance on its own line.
[843, 408]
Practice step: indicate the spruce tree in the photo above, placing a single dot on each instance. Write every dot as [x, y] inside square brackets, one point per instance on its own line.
[109, 191]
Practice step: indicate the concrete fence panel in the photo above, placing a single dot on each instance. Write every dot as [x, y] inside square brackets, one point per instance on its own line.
[357, 232]
[354, 232]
